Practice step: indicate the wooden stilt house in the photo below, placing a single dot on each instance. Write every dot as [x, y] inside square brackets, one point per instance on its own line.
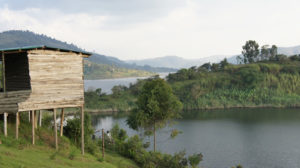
[41, 77]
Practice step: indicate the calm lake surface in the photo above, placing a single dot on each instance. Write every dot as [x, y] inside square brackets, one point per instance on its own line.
[254, 138]
[107, 84]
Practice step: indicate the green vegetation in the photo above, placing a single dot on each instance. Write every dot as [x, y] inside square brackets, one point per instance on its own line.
[20, 153]
[134, 149]
[156, 106]
[120, 100]
[104, 71]
[269, 81]
[261, 84]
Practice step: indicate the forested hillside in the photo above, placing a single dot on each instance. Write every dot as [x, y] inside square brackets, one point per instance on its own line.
[103, 71]
[263, 79]
[275, 84]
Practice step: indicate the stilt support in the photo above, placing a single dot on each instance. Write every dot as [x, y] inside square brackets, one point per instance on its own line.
[17, 125]
[32, 127]
[5, 124]
[82, 130]
[55, 129]
[62, 122]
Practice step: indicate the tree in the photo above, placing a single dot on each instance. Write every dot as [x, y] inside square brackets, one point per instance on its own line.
[273, 51]
[265, 52]
[215, 67]
[117, 90]
[224, 63]
[98, 91]
[250, 51]
[206, 66]
[156, 106]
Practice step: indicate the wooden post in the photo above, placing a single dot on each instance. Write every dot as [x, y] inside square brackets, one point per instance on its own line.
[5, 124]
[17, 125]
[82, 130]
[103, 143]
[62, 122]
[55, 129]
[40, 118]
[32, 127]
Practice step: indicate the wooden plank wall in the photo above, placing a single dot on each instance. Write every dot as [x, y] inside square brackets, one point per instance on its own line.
[56, 80]
[9, 101]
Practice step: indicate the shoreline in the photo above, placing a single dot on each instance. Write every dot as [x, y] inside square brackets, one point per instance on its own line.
[112, 111]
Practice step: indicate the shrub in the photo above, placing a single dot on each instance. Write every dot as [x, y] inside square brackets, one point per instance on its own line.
[72, 154]
[73, 129]
[195, 159]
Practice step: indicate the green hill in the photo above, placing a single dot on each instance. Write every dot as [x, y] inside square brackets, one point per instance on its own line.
[103, 71]
[261, 84]
[17, 38]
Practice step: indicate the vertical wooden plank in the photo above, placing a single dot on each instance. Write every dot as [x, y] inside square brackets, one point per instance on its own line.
[32, 127]
[62, 122]
[5, 124]
[82, 130]
[55, 129]
[17, 125]
[40, 118]
[3, 72]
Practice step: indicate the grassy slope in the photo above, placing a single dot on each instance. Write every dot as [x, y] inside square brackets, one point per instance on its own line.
[104, 71]
[20, 153]
[41, 156]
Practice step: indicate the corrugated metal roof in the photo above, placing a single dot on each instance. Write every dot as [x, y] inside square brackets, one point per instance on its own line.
[42, 47]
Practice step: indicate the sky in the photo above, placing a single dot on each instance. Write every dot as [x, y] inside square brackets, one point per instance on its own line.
[139, 29]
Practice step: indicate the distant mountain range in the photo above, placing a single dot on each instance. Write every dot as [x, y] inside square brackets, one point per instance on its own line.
[17, 38]
[179, 62]
[176, 62]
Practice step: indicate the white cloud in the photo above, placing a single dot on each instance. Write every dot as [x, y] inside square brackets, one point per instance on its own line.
[187, 28]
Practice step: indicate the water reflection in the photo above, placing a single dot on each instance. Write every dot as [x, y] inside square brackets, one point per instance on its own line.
[251, 137]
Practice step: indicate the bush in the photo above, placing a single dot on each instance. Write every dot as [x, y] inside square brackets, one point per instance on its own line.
[47, 121]
[195, 159]
[133, 148]
[73, 131]
[72, 154]
[91, 147]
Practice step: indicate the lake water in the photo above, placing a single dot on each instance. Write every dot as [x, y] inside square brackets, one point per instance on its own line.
[107, 84]
[254, 138]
